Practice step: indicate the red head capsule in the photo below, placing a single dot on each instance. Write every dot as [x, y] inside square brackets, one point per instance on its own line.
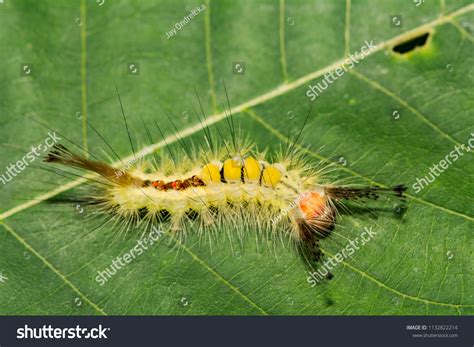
[313, 204]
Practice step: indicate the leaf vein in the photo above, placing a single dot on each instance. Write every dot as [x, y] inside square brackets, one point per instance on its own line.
[51, 267]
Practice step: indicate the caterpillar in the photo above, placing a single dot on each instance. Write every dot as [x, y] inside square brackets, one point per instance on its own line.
[220, 182]
[234, 184]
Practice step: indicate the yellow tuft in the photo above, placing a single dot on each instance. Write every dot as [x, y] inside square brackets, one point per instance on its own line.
[271, 176]
[232, 169]
[251, 170]
[210, 173]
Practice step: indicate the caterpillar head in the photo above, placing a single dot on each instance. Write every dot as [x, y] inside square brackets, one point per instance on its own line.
[316, 211]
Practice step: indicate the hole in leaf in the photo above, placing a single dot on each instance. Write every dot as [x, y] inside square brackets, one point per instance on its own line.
[410, 45]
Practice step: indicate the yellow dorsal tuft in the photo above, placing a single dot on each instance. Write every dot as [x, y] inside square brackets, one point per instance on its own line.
[252, 170]
[232, 170]
[210, 173]
[271, 176]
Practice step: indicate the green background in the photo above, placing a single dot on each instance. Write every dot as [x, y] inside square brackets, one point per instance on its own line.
[419, 263]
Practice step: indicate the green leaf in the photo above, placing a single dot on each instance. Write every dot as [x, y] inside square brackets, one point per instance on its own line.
[389, 119]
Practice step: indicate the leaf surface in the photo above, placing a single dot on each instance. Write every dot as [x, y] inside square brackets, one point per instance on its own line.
[420, 263]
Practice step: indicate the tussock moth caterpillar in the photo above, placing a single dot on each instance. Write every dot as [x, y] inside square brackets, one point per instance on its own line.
[224, 181]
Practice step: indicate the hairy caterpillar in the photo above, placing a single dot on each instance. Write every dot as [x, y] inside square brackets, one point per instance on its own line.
[232, 184]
